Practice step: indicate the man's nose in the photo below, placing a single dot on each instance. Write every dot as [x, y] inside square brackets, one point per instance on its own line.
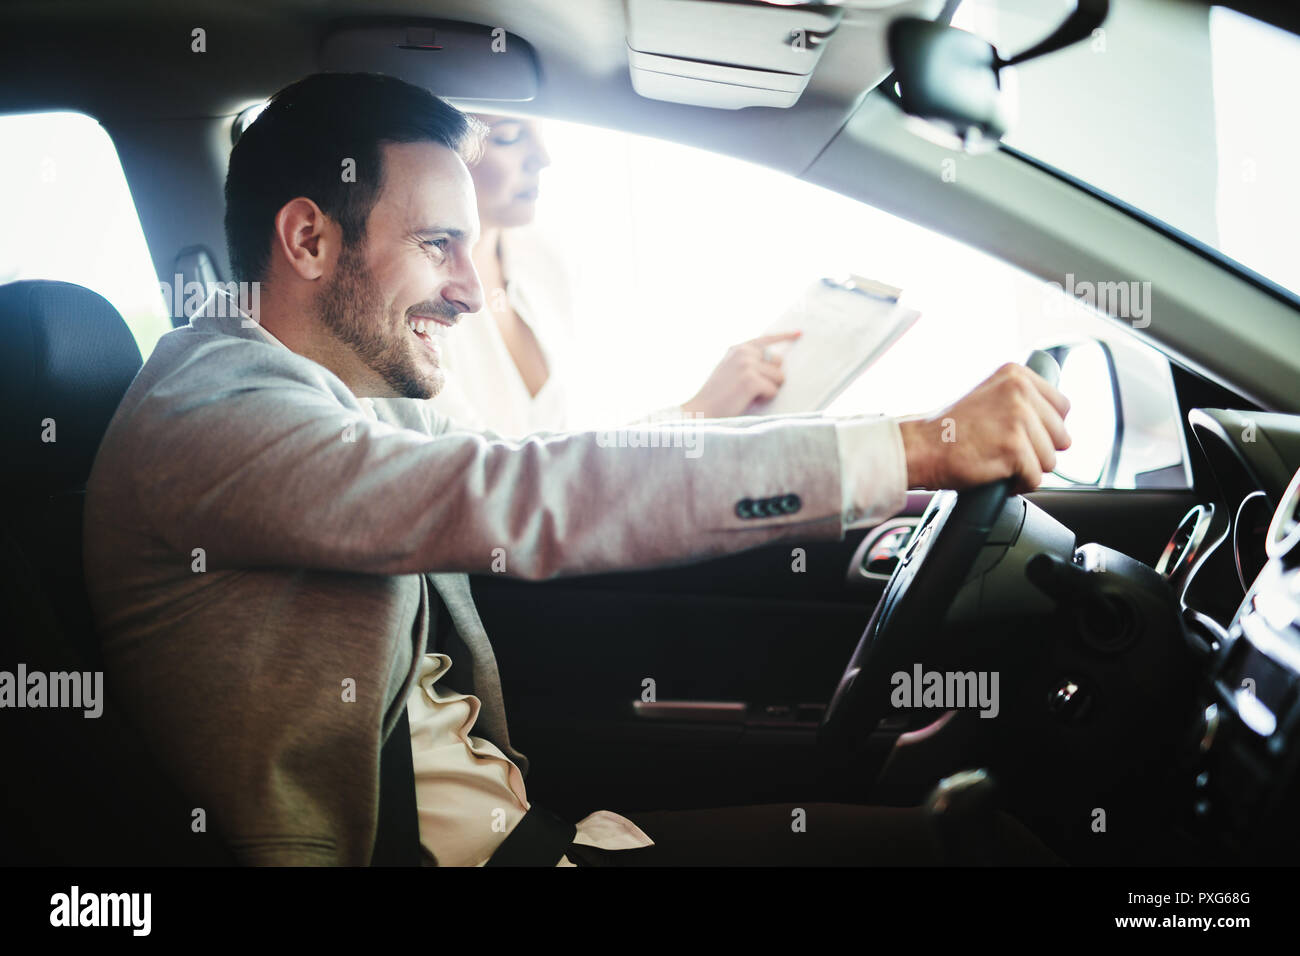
[465, 291]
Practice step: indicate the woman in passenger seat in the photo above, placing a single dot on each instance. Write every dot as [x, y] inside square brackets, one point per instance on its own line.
[506, 364]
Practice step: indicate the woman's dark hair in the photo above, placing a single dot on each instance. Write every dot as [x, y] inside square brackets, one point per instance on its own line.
[298, 145]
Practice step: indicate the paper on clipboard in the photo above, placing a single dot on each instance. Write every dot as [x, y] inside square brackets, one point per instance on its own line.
[847, 326]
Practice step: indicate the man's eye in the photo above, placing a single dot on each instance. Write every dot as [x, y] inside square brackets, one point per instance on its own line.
[439, 244]
[506, 139]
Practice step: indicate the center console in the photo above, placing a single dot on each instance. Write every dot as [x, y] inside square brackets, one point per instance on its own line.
[1241, 759]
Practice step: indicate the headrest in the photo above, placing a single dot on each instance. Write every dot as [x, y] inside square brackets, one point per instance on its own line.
[66, 359]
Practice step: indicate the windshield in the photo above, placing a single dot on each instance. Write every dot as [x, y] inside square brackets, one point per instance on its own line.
[1183, 111]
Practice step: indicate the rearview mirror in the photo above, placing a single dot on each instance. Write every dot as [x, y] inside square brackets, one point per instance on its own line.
[949, 79]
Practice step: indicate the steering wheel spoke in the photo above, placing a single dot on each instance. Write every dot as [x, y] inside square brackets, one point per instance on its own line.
[907, 626]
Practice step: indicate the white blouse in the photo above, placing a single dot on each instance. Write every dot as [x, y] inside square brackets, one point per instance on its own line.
[484, 390]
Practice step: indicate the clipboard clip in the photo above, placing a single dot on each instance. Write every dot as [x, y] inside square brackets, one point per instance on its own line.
[868, 287]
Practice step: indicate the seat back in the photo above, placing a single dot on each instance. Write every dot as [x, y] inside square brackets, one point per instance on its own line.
[66, 359]
[79, 790]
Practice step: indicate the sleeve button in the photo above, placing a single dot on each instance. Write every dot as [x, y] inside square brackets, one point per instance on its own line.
[743, 508]
[790, 504]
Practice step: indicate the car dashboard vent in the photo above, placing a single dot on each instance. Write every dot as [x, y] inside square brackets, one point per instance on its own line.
[1184, 547]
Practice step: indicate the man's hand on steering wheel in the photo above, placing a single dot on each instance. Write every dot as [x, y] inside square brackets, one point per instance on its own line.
[1011, 425]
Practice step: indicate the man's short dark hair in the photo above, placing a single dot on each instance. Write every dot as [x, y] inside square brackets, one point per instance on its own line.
[298, 145]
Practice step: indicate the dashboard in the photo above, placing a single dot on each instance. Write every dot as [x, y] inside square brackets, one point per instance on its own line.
[1234, 565]
[1219, 548]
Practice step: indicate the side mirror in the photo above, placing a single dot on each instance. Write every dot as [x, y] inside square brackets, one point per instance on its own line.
[1096, 420]
[948, 78]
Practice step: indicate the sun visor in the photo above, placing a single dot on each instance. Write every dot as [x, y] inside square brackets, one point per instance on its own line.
[452, 59]
[723, 54]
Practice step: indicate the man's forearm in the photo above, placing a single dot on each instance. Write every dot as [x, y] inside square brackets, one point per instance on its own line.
[288, 476]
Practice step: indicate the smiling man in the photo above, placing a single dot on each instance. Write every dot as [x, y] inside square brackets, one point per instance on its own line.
[369, 327]
[276, 560]
[350, 288]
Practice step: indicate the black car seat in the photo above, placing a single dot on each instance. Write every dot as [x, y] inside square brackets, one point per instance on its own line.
[78, 790]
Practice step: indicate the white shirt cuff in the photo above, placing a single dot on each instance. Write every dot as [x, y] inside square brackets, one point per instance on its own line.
[873, 470]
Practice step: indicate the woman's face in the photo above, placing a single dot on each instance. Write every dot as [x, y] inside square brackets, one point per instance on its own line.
[505, 179]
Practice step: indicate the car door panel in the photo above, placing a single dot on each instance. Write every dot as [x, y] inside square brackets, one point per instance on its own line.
[583, 661]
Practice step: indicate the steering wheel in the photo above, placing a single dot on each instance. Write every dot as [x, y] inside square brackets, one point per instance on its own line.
[907, 626]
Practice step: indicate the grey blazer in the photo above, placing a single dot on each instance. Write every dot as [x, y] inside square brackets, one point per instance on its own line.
[261, 547]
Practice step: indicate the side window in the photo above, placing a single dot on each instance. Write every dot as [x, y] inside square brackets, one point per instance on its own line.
[676, 254]
[69, 216]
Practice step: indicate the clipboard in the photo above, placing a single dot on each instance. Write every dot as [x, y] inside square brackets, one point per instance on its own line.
[847, 325]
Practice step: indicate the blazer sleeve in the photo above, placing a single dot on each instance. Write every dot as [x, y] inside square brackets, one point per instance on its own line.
[271, 468]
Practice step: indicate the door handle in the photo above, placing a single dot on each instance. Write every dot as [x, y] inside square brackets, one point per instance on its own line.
[691, 711]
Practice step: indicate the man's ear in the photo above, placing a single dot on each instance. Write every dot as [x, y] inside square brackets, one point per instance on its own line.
[306, 238]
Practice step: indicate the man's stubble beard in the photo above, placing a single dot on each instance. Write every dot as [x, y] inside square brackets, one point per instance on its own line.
[351, 307]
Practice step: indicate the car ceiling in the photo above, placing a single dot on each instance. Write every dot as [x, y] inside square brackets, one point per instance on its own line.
[131, 60]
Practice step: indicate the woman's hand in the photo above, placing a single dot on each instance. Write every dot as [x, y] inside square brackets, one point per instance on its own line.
[747, 373]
